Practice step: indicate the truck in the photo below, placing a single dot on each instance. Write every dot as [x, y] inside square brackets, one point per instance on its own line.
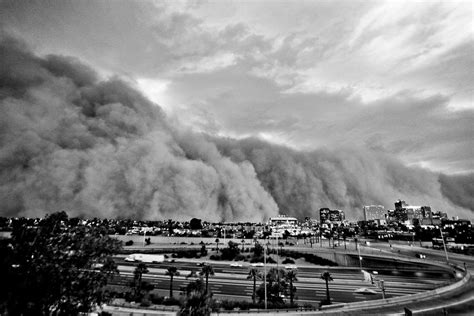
[147, 258]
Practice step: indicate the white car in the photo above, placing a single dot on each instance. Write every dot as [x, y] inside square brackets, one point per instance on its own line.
[364, 290]
[236, 264]
[258, 264]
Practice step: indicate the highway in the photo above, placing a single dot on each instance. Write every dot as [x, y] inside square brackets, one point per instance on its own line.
[231, 282]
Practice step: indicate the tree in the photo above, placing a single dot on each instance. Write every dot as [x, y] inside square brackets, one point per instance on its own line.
[198, 302]
[172, 272]
[49, 268]
[291, 277]
[255, 275]
[138, 284]
[195, 224]
[230, 252]
[206, 271]
[217, 244]
[203, 250]
[326, 276]
[258, 250]
[276, 286]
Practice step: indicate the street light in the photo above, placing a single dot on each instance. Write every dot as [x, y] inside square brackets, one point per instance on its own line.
[265, 274]
[444, 245]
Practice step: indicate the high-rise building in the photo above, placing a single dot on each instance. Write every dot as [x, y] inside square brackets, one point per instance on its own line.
[325, 214]
[411, 214]
[374, 212]
[336, 216]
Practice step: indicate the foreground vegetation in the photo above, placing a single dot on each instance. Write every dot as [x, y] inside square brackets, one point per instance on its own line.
[54, 268]
[60, 268]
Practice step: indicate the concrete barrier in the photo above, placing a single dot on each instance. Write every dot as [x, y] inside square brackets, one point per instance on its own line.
[402, 300]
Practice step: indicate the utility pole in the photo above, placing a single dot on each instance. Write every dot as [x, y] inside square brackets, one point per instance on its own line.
[277, 258]
[444, 245]
[224, 236]
[265, 274]
[382, 286]
[320, 237]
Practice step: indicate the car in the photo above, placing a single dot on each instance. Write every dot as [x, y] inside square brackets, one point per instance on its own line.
[236, 264]
[258, 264]
[291, 267]
[97, 266]
[421, 255]
[365, 291]
[200, 264]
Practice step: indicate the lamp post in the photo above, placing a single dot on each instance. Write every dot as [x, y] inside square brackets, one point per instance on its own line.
[382, 285]
[265, 274]
[444, 245]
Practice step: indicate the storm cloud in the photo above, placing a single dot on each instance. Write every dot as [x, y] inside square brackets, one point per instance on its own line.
[69, 140]
[99, 148]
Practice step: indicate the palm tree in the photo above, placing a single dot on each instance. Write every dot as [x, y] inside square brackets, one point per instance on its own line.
[254, 274]
[138, 275]
[172, 272]
[326, 276]
[291, 277]
[207, 270]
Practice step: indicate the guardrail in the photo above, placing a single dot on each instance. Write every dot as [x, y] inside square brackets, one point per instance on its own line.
[401, 300]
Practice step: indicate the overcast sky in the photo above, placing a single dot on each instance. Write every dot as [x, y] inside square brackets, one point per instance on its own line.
[388, 75]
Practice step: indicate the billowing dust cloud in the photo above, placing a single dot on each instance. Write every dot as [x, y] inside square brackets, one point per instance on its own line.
[99, 148]
[70, 141]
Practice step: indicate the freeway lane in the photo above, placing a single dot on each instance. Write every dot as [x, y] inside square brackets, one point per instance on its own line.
[231, 281]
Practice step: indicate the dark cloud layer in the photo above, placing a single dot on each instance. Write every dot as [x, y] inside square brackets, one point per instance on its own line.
[348, 178]
[99, 148]
[459, 189]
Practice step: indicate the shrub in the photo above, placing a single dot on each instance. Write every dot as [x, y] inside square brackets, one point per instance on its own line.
[129, 243]
[256, 259]
[239, 258]
[171, 301]
[288, 260]
[270, 260]
[215, 257]
[145, 302]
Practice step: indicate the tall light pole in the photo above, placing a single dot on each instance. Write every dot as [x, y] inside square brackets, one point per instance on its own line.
[224, 236]
[277, 256]
[265, 274]
[444, 244]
